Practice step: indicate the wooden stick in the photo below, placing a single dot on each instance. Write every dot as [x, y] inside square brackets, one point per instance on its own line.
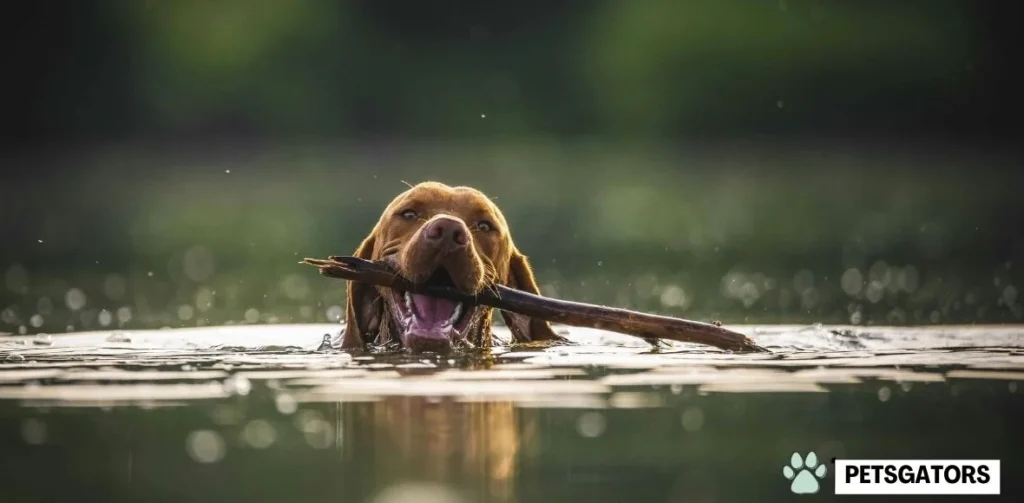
[577, 314]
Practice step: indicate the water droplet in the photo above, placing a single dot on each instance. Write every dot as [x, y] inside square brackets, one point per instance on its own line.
[286, 404]
[119, 337]
[105, 318]
[9, 316]
[33, 431]
[74, 299]
[259, 434]
[185, 312]
[875, 292]
[237, 385]
[252, 315]
[36, 320]
[1010, 295]
[884, 393]
[334, 313]
[198, 263]
[693, 419]
[295, 286]
[852, 281]
[317, 431]
[115, 286]
[809, 298]
[591, 424]
[204, 299]
[304, 419]
[205, 446]
[124, 314]
[674, 296]
[320, 435]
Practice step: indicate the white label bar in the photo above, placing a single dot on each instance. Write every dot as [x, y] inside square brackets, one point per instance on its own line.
[917, 476]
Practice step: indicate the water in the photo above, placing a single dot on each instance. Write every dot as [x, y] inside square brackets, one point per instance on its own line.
[256, 413]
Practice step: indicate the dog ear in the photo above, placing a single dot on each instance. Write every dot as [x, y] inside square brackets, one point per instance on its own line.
[362, 305]
[524, 328]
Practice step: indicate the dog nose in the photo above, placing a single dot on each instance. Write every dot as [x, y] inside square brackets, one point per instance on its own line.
[447, 231]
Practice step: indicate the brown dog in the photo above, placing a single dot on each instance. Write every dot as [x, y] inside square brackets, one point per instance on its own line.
[454, 236]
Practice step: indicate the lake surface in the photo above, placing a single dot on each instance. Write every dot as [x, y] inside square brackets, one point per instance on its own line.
[257, 413]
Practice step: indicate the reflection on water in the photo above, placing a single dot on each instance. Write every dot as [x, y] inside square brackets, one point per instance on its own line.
[255, 414]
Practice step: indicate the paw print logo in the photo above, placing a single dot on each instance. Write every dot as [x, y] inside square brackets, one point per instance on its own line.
[804, 472]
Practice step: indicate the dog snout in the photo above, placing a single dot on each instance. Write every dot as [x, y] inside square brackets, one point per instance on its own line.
[449, 234]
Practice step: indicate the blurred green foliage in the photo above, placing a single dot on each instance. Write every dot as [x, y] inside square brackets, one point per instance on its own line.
[644, 68]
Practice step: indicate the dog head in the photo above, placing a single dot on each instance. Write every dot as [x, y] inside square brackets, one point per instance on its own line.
[451, 236]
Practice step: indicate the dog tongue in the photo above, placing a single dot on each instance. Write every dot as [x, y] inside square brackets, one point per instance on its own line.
[432, 311]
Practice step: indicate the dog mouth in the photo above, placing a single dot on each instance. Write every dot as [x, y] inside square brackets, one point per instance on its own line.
[431, 323]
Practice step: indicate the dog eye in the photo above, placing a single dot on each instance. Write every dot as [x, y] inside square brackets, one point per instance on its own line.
[408, 214]
[484, 226]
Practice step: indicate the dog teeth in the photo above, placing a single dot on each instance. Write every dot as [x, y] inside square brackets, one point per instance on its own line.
[408, 301]
[455, 314]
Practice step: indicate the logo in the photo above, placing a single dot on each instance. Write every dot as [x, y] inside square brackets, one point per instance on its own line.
[804, 472]
[917, 476]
